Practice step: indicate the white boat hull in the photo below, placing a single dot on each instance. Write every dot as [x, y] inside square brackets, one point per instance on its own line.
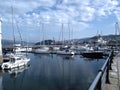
[42, 50]
[11, 65]
[65, 53]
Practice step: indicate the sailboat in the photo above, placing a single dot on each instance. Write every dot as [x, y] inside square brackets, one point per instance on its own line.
[42, 49]
[15, 59]
[66, 50]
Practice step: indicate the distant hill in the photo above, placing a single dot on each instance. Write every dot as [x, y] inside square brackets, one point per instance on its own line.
[105, 37]
[83, 40]
[48, 42]
[51, 42]
[108, 37]
[7, 42]
[10, 42]
[45, 42]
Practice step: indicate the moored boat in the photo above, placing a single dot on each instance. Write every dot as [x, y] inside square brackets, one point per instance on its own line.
[66, 52]
[15, 61]
[42, 50]
[93, 54]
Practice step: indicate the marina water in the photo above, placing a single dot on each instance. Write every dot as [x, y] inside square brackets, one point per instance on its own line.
[52, 72]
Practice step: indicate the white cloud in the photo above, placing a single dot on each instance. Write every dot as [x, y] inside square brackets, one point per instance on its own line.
[105, 7]
[117, 13]
[87, 14]
[25, 6]
[101, 12]
[63, 11]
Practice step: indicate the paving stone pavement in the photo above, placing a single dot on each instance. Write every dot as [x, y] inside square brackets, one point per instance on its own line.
[114, 75]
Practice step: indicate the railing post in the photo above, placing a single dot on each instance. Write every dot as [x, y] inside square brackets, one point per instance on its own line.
[99, 85]
[107, 73]
[109, 67]
[111, 60]
[100, 82]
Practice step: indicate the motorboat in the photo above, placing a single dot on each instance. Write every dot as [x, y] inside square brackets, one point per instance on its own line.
[15, 62]
[66, 52]
[8, 55]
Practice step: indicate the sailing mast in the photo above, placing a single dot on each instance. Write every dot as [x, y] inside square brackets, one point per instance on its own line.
[69, 32]
[43, 33]
[62, 33]
[13, 30]
[19, 34]
[72, 36]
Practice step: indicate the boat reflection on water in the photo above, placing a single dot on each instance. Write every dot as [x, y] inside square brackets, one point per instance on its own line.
[93, 59]
[52, 72]
[66, 57]
[16, 71]
[42, 55]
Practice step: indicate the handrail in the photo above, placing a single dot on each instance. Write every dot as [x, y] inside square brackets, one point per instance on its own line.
[97, 80]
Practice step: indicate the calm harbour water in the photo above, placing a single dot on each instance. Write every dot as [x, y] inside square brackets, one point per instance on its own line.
[52, 72]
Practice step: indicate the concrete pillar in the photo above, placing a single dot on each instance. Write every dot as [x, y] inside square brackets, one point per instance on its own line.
[1, 59]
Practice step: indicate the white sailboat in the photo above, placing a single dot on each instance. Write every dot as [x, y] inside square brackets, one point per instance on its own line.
[42, 49]
[66, 51]
[18, 48]
[16, 59]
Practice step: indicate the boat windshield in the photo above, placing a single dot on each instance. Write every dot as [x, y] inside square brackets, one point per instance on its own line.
[67, 50]
[12, 59]
[18, 59]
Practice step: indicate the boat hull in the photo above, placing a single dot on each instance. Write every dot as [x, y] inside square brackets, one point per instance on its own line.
[93, 54]
[17, 64]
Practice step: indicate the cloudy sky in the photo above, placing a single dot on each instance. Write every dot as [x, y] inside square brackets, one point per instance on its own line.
[36, 19]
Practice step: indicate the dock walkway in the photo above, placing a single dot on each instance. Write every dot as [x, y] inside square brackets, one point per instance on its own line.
[114, 75]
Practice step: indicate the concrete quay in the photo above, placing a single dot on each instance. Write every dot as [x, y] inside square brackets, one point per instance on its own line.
[114, 75]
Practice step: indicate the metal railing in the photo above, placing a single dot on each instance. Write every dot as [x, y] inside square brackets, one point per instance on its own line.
[103, 75]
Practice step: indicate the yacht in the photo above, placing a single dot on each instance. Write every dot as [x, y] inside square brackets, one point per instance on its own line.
[15, 61]
[8, 55]
[93, 54]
